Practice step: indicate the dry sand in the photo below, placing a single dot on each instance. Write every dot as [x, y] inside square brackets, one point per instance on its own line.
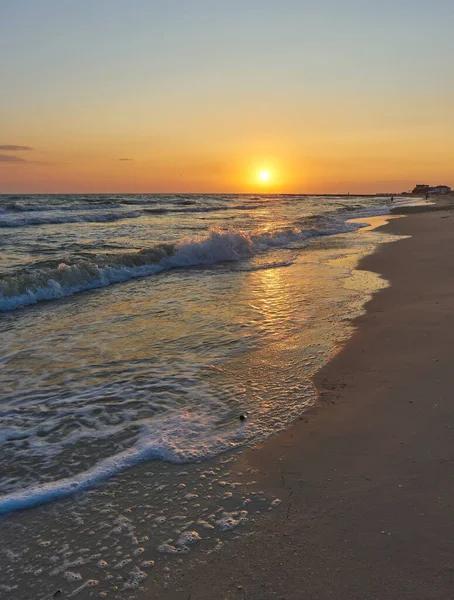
[366, 480]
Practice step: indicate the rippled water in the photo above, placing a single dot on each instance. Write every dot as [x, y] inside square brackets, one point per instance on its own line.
[208, 308]
[93, 383]
[56, 246]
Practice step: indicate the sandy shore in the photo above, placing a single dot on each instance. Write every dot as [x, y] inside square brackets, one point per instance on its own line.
[366, 479]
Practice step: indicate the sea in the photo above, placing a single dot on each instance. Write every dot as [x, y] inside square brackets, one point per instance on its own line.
[146, 340]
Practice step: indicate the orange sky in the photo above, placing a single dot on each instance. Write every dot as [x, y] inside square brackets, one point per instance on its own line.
[91, 165]
[200, 100]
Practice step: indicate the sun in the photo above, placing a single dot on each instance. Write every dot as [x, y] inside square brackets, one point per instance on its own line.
[264, 175]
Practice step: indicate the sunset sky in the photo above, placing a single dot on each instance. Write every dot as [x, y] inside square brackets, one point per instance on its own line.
[203, 95]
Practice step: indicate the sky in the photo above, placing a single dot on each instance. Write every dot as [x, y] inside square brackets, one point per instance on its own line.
[203, 95]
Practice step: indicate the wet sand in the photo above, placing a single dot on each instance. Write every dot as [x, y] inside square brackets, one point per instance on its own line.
[366, 478]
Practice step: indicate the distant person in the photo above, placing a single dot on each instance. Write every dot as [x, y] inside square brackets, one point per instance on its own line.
[392, 198]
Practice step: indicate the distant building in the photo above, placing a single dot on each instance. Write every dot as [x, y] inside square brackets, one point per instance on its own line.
[440, 189]
[423, 188]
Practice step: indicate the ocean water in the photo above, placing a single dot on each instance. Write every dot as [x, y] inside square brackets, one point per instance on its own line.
[135, 331]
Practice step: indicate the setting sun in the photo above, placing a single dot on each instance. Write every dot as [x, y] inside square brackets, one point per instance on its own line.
[264, 175]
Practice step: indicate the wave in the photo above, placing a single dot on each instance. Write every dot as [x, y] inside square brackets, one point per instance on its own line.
[178, 438]
[25, 215]
[41, 217]
[26, 220]
[33, 286]
[361, 212]
[199, 209]
[181, 435]
[18, 207]
[92, 204]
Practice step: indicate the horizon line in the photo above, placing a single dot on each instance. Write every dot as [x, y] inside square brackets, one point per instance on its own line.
[204, 193]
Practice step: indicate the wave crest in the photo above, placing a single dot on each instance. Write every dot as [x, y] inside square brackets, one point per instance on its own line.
[32, 286]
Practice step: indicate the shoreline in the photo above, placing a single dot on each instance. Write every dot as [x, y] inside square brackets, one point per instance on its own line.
[365, 485]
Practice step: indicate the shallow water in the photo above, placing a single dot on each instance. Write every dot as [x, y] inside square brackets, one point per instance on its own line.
[115, 393]
[93, 383]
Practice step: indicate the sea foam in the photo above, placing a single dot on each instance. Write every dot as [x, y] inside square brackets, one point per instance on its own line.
[182, 437]
[36, 285]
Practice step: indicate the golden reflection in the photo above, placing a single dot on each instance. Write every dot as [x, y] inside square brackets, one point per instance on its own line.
[374, 222]
[273, 297]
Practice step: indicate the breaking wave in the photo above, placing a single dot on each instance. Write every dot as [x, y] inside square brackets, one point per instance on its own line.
[35, 285]
[169, 441]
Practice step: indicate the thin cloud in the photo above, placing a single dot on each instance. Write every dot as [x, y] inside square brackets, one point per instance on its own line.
[10, 158]
[123, 159]
[14, 148]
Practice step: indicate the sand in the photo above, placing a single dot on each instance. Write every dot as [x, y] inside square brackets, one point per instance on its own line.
[366, 479]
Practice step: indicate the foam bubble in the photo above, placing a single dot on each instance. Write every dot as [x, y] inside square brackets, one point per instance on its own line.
[71, 576]
[231, 520]
[136, 577]
[188, 537]
[88, 584]
[167, 548]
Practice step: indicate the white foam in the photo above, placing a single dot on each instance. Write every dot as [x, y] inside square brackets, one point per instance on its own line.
[188, 538]
[182, 437]
[24, 289]
[231, 520]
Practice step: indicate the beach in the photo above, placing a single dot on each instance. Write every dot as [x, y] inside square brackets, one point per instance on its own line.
[365, 477]
[226, 300]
